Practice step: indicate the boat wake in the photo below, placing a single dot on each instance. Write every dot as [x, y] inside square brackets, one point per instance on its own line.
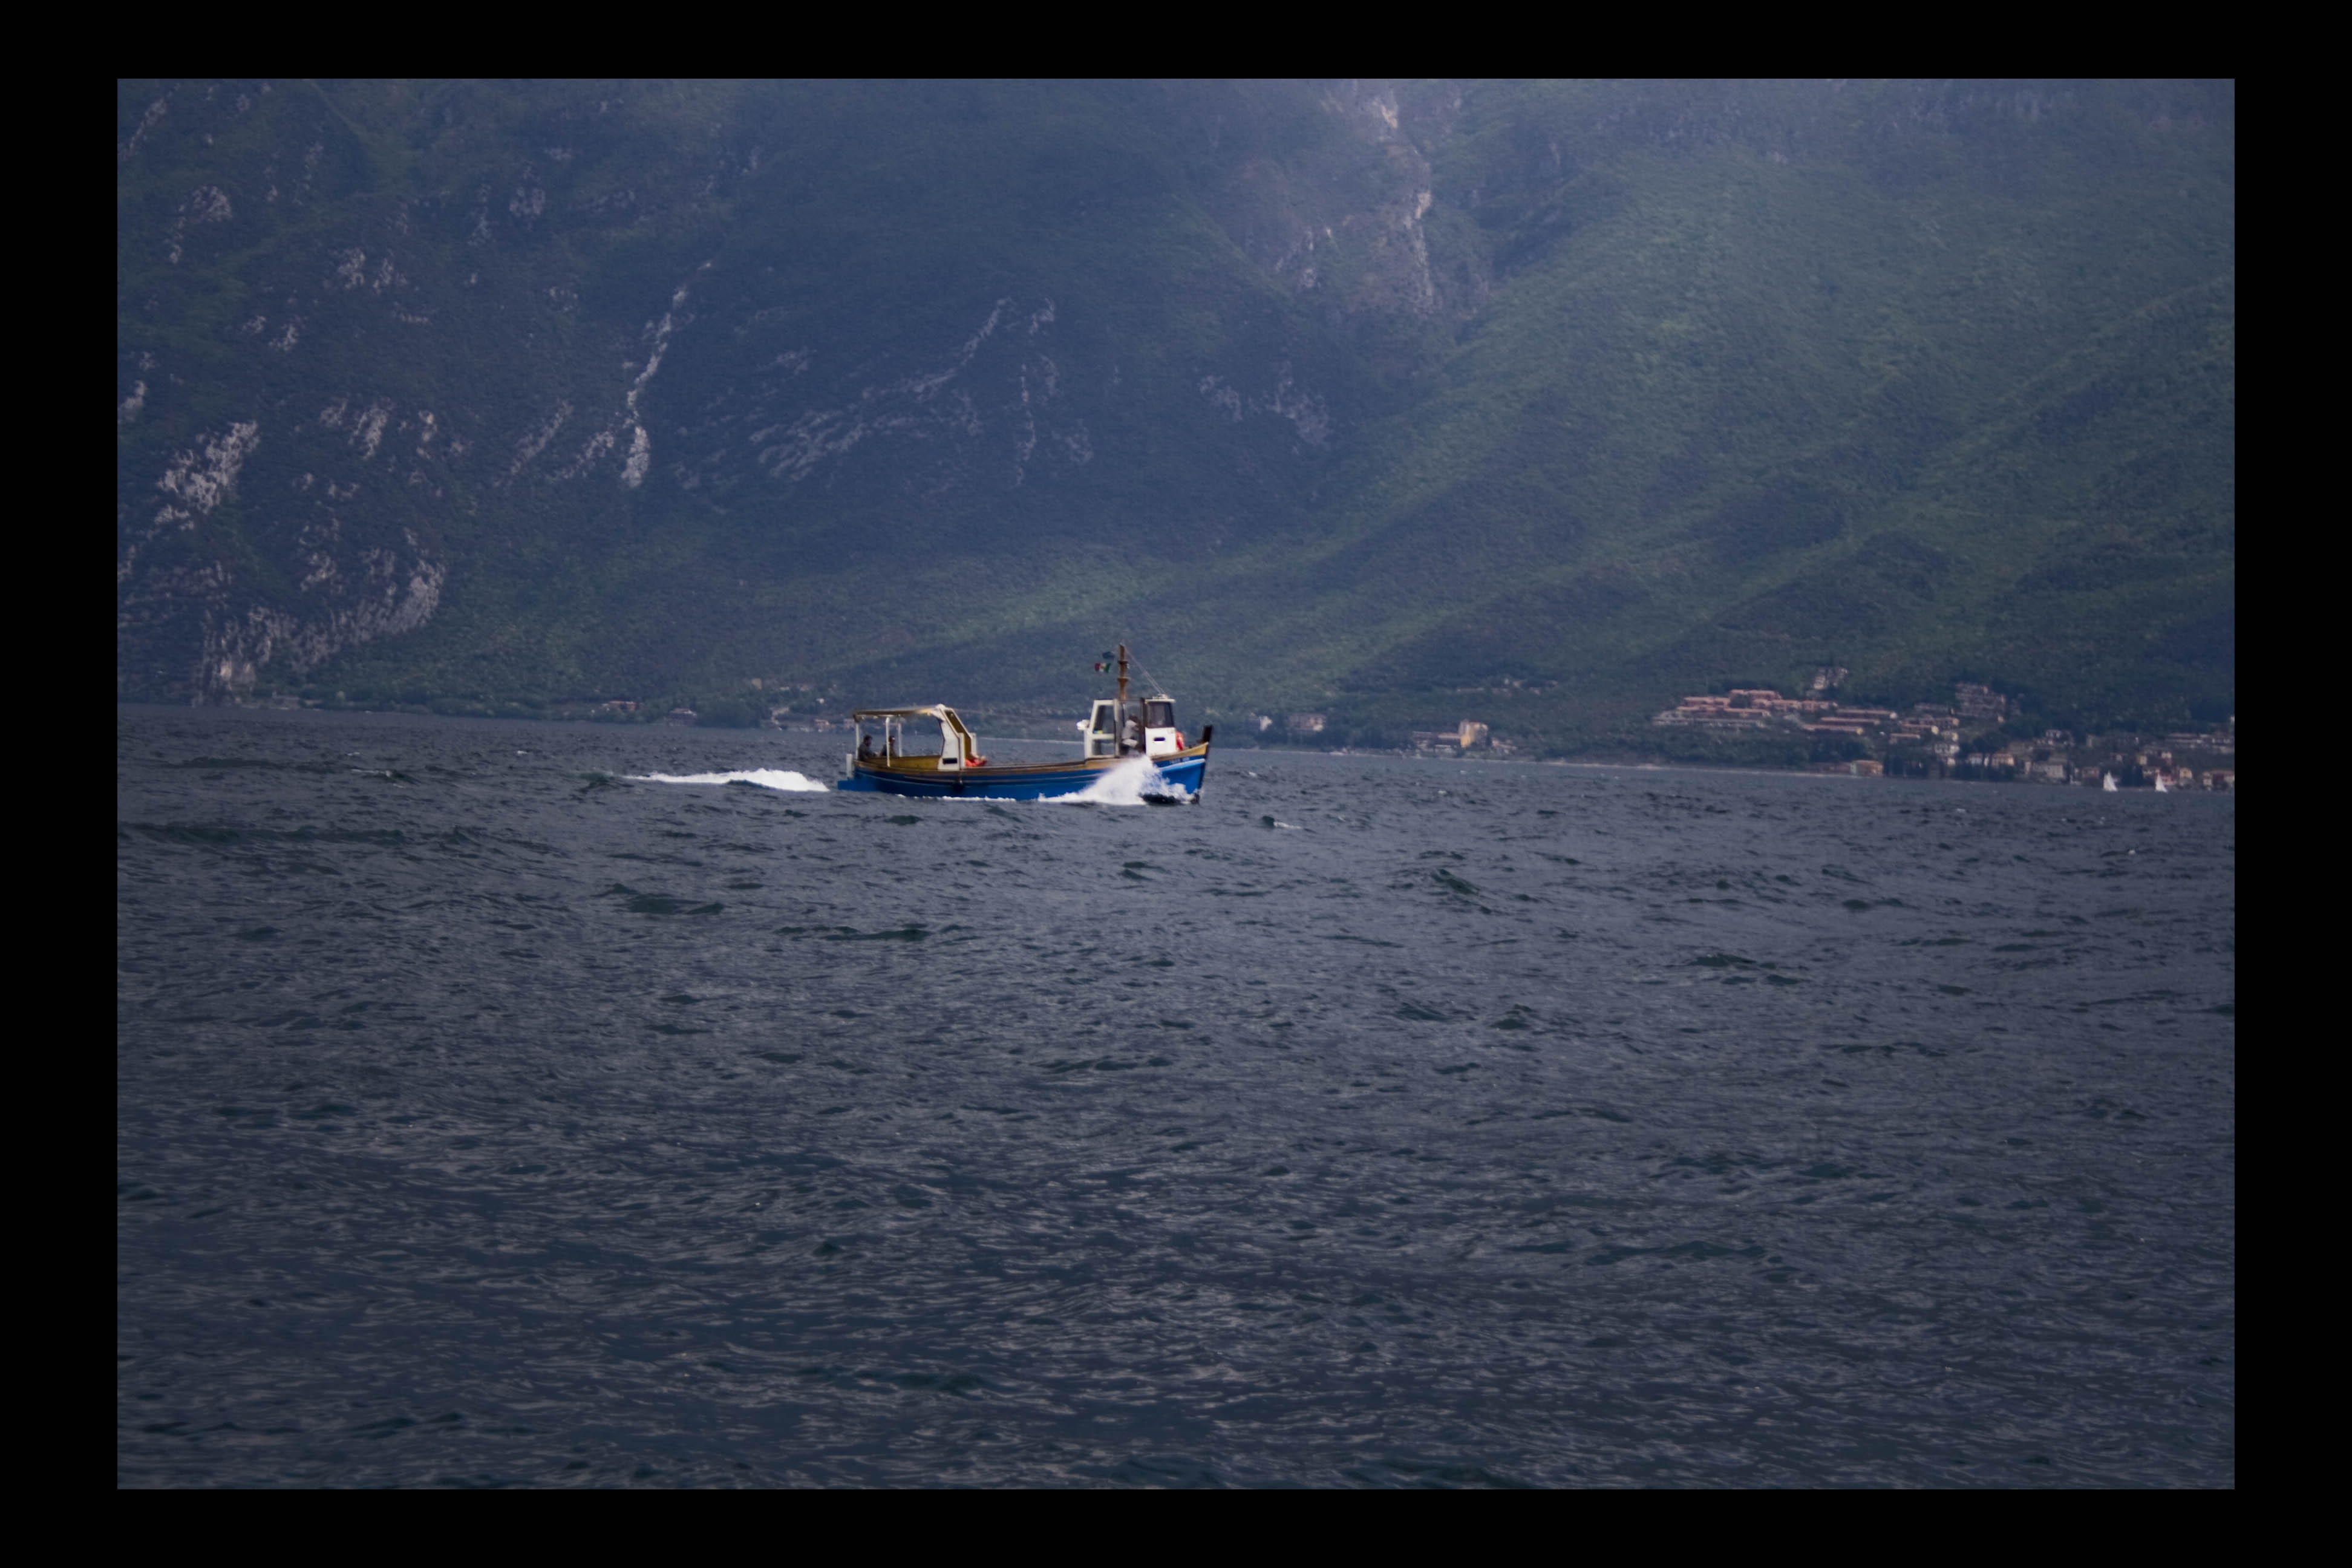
[766, 778]
[1135, 782]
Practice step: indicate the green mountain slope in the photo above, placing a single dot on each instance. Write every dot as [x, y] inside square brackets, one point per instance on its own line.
[1570, 396]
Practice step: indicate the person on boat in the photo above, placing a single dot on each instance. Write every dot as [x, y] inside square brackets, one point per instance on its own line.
[864, 747]
[1134, 741]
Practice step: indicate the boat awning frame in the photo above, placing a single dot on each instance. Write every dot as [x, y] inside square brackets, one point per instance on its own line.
[938, 711]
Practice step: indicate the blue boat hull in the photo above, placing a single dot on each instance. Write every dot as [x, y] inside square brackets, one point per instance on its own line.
[1179, 779]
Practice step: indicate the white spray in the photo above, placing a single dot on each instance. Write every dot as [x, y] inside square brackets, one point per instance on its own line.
[766, 778]
[1130, 783]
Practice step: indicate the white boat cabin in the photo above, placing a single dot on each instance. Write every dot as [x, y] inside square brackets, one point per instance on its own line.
[1128, 729]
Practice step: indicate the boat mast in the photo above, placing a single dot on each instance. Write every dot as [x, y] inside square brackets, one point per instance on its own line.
[1122, 677]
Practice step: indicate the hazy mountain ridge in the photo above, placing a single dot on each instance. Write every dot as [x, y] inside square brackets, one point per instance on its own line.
[1330, 395]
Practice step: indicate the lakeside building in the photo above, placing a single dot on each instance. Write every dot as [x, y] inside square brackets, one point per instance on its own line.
[1980, 702]
[1755, 708]
[1929, 741]
[1747, 708]
[1464, 736]
[2091, 761]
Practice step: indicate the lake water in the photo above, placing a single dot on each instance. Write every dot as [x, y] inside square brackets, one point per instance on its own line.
[487, 1115]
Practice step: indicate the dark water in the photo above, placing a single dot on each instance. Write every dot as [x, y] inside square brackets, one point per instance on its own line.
[483, 1118]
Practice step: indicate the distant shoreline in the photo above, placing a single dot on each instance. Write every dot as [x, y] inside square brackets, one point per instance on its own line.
[1620, 763]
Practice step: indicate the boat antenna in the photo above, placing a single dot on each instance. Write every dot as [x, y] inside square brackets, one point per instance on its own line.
[1150, 680]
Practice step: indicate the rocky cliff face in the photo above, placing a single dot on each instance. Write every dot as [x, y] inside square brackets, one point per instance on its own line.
[208, 618]
[364, 334]
[565, 391]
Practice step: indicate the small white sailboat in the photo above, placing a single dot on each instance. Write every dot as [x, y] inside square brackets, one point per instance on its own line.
[2107, 783]
[2162, 787]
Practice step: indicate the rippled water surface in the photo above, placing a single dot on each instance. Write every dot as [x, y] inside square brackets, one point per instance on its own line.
[483, 1115]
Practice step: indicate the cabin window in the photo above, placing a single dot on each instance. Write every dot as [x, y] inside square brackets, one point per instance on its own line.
[1160, 715]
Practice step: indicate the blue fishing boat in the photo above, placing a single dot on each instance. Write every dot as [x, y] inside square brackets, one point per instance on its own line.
[1132, 751]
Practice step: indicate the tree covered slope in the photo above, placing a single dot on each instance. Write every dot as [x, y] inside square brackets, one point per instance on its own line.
[1552, 400]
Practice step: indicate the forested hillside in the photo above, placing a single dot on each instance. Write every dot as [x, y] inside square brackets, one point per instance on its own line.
[1397, 401]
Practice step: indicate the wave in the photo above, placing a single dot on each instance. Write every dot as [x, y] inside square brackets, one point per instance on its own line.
[766, 778]
[1135, 782]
